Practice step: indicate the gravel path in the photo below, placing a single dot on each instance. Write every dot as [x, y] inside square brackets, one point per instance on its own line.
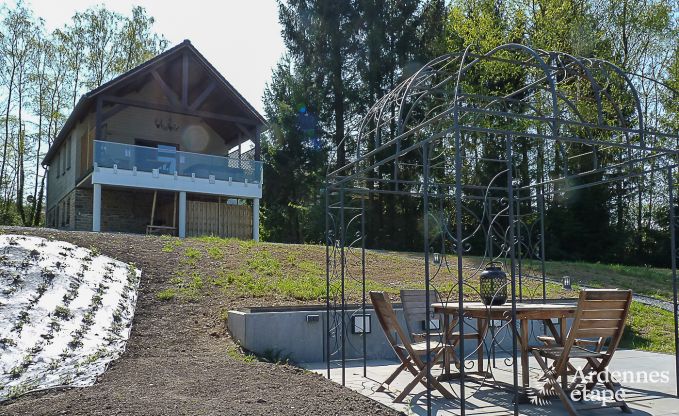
[658, 303]
[646, 300]
[176, 362]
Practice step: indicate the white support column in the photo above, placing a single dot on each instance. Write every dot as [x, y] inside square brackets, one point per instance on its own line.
[182, 214]
[96, 208]
[255, 219]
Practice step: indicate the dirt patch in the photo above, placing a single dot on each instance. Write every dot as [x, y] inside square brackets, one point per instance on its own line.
[177, 360]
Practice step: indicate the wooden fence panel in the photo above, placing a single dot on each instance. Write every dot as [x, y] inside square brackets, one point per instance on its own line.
[212, 218]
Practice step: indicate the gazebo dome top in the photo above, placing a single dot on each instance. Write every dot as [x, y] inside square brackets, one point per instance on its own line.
[578, 105]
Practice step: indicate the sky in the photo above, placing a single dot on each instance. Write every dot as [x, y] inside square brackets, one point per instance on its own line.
[241, 38]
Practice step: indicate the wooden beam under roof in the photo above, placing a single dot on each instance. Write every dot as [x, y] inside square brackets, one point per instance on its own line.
[203, 96]
[244, 130]
[113, 111]
[179, 110]
[171, 96]
[185, 79]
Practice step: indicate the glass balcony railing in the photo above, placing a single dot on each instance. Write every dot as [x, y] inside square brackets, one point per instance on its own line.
[167, 160]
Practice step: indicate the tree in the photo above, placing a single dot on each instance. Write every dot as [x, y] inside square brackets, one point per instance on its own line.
[102, 43]
[71, 40]
[351, 54]
[322, 36]
[17, 47]
[294, 156]
[41, 76]
[138, 42]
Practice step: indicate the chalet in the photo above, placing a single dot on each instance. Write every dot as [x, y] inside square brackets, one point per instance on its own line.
[169, 146]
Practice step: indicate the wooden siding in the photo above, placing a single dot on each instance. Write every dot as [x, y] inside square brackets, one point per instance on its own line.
[86, 152]
[59, 186]
[212, 218]
[192, 133]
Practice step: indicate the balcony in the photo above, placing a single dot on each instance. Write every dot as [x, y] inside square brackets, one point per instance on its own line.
[170, 169]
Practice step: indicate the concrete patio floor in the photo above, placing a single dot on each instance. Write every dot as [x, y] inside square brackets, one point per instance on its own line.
[645, 398]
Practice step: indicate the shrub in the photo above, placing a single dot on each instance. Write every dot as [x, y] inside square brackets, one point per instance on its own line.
[63, 312]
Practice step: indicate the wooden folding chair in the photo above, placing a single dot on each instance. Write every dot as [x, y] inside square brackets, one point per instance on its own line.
[601, 315]
[550, 341]
[594, 344]
[408, 353]
[414, 302]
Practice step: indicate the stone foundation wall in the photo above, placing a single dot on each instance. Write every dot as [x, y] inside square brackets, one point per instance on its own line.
[62, 214]
[121, 211]
[83, 209]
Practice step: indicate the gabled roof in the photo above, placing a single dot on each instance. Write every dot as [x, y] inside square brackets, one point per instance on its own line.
[88, 99]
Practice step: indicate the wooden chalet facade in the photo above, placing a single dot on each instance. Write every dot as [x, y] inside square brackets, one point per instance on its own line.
[159, 148]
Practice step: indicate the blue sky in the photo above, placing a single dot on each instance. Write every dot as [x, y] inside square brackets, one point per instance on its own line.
[240, 38]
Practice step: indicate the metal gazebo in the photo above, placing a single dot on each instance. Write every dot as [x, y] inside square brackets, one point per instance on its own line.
[458, 147]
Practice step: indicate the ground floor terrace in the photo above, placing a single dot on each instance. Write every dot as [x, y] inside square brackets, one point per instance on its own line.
[645, 380]
[655, 396]
[132, 210]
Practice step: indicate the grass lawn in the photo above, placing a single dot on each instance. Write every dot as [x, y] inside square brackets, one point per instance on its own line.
[297, 272]
[651, 281]
[278, 274]
[649, 329]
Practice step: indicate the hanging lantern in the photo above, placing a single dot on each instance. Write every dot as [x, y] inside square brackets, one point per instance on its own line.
[493, 285]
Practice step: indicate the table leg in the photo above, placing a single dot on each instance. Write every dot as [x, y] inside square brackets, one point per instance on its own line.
[446, 340]
[524, 353]
[563, 333]
[562, 330]
[481, 326]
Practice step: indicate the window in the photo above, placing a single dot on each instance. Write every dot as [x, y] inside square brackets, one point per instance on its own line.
[67, 220]
[63, 159]
[68, 154]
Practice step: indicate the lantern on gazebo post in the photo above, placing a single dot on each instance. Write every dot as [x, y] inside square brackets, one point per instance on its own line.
[493, 285]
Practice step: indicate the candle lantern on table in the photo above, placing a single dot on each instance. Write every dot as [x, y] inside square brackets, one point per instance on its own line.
[493, 285]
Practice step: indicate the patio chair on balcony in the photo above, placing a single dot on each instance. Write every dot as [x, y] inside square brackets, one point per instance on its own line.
[410, 354]
[601, 315]
[414, 303]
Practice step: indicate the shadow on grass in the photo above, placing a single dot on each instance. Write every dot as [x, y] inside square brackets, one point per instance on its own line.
[635, 340]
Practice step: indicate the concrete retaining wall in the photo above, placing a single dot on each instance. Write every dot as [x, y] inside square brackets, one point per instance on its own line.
[298, 334]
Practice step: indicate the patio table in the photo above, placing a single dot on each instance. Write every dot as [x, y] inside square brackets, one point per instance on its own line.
[525, 312]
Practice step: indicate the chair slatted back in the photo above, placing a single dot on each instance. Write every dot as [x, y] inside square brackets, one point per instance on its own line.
[414, 303]
[601, 313]
[389, 322]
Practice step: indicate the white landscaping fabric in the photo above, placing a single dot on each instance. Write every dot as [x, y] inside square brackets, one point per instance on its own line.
[65, 313]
